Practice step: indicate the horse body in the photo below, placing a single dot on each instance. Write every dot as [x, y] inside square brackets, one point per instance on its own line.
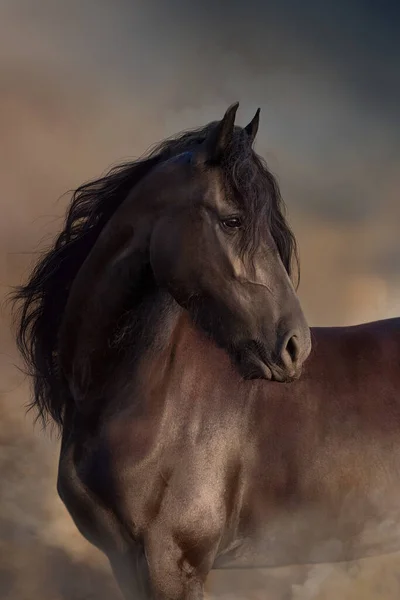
[243, 474]
[326, 479]
[166, 340]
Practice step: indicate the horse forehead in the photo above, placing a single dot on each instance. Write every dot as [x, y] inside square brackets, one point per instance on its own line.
[217, 191]
[212, 182]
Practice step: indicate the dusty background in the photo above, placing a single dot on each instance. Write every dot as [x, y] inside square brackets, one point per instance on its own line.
[84, 85]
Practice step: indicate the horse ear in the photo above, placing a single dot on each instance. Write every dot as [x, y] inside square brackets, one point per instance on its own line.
[220, 137]
[252, 128]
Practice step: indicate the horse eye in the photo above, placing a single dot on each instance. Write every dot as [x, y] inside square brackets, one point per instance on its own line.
[232, 222]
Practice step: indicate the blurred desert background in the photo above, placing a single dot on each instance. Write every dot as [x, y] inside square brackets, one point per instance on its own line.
[85, 85]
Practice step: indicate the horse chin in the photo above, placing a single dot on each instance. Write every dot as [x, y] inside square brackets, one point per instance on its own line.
[283, 377]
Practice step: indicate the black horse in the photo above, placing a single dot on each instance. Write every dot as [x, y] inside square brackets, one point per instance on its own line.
[166, 340]
[190, 241]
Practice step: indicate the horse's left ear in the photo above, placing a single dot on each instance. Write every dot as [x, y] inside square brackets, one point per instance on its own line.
[252, 128]
[221, 135]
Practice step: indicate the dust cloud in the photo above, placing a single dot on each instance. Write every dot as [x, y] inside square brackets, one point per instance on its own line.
[84, 88]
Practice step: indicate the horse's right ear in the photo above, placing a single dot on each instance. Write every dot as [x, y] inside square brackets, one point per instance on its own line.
[252, 128]
[220, 137]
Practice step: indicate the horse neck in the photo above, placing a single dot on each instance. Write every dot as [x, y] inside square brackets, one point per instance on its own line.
[155, 343]
[177, 365]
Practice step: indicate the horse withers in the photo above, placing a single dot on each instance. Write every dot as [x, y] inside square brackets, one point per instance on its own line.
[166, 340]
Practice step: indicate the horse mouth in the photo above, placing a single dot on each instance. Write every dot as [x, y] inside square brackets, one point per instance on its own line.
[254, 368]
[252, 364]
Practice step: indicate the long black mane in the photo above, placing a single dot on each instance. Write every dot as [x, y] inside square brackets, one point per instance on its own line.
[40, 303]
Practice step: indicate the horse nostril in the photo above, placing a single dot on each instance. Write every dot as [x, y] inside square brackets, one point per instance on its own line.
[292, 348]
[290, 352]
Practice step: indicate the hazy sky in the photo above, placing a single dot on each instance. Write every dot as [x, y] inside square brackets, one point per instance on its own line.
[86, 84]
